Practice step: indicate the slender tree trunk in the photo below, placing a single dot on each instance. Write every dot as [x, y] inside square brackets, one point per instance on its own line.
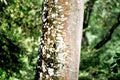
[60, 43]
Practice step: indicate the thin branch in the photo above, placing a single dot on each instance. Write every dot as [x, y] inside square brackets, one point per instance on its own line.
[88, 11]
[108, 37]
[87, 14]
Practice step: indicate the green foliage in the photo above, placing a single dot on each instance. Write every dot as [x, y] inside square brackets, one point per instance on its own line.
[103, 63]
[20, 22]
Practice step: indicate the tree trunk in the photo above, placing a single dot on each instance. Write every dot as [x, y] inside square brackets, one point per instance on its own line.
[59, 53]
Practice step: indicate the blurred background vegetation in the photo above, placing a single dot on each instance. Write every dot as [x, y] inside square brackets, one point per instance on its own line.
[20, 22]
[20, 28]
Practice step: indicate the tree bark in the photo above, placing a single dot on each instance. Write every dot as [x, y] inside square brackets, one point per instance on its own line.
[60, 43]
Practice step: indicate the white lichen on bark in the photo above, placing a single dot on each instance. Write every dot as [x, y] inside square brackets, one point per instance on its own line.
[59, 53]
[51, 58]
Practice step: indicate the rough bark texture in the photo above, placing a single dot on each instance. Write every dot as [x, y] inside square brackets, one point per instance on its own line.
[60, 43]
